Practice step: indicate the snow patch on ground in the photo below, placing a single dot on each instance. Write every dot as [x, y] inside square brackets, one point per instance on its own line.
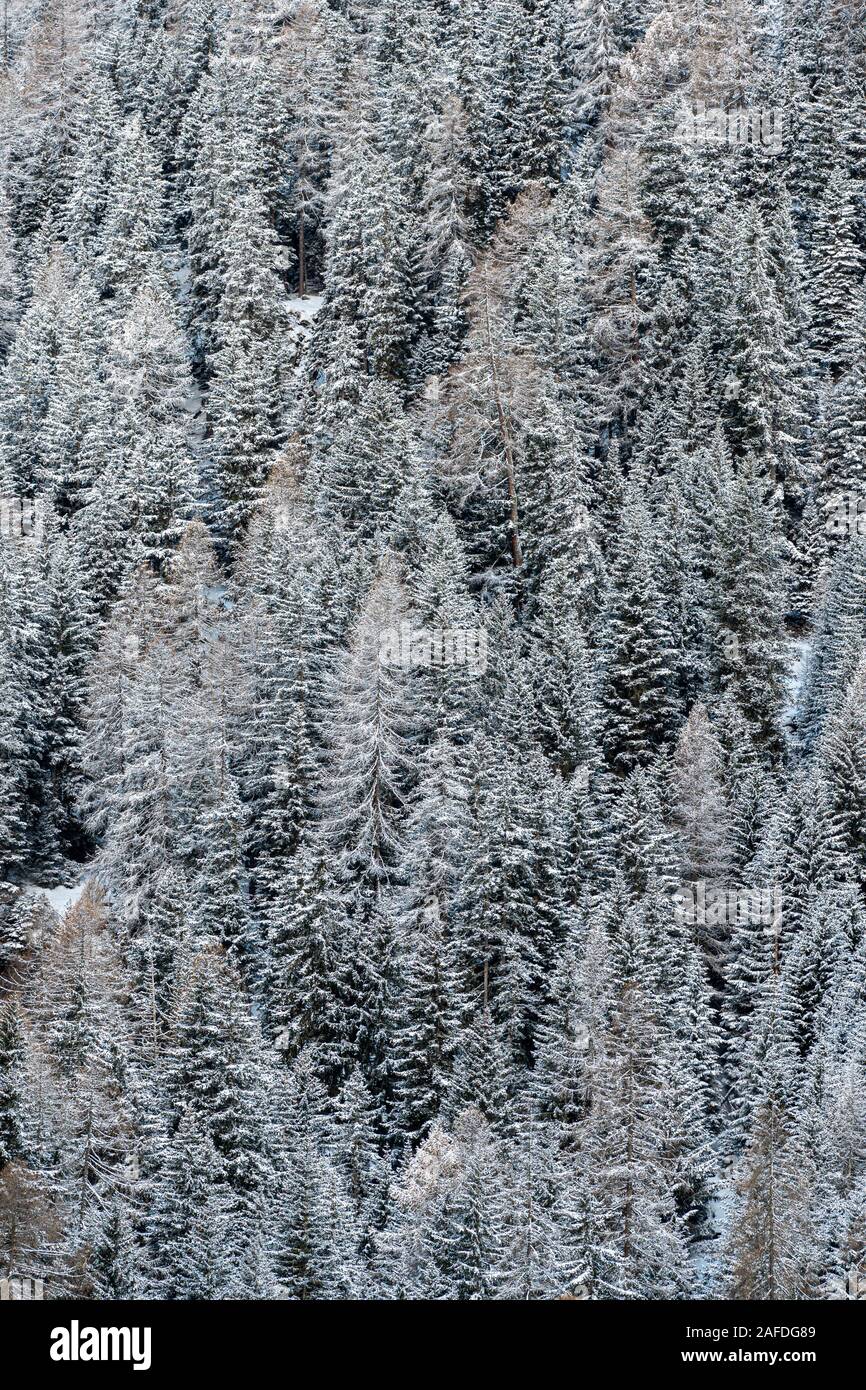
[61, 898]
[194, 406]
[307, 306]
[704, 1254]
[182, 276]
[217, 594]
[798, 665]
[303, 310]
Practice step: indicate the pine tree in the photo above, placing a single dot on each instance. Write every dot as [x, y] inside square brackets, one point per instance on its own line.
[133, 240]
[427, 1014]
[368, 765]
[838, 272]
[771, 1249]
[748, 603]
[701, 810]
[637, 688]
[305, 931]
[189, 1245]
[13, 1101]
[315, 1233]
[151, 383]
[112, 1265]
[247, 401]
[635, 1241]
[216, 1100]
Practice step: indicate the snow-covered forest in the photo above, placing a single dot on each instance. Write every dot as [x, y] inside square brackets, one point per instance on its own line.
[432, 664]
